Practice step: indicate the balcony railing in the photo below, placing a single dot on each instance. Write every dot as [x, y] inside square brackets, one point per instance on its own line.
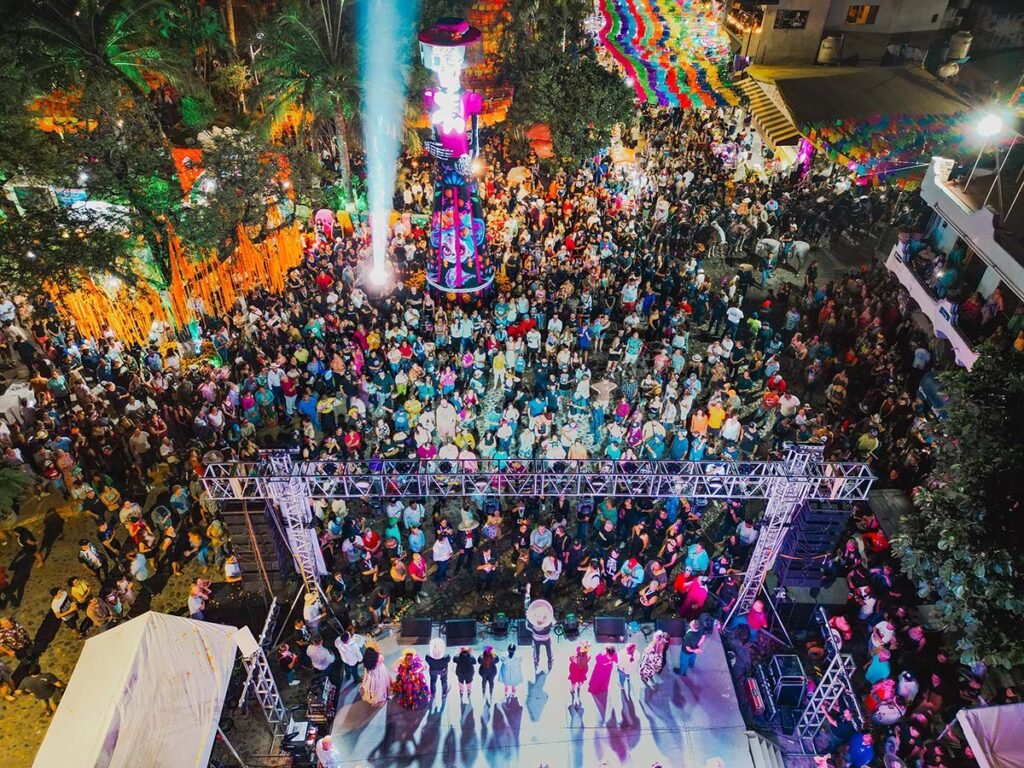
[976, 223]
[941, 312]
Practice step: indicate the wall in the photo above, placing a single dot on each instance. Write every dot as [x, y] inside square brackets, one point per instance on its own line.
[997, 25]
[894, 16]
[796, 47]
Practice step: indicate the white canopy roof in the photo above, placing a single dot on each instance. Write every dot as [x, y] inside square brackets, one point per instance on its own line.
[996, 735]
[149, 692]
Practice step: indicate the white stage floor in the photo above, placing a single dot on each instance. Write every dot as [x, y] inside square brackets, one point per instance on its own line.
[684, 723]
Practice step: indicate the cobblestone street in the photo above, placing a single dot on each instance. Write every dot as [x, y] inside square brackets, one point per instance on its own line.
[22, 722]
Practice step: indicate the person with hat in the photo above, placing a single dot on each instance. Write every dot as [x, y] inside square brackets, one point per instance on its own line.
[631, 578]
[540, 619]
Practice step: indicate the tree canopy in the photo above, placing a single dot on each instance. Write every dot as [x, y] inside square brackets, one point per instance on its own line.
[964, 544]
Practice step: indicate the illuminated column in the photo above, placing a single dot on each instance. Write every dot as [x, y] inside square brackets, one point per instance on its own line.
[458, 267]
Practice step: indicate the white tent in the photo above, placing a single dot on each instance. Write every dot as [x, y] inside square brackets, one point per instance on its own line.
[996, 735]
[149, 692]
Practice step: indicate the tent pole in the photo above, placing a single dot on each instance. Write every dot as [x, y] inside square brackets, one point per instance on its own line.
[231, 747]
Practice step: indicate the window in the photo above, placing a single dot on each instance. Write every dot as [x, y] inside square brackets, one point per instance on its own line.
[791, 19]
[861, 14]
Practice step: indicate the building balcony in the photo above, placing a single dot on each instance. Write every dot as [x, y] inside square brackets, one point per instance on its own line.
[940, 312]
[980, 226]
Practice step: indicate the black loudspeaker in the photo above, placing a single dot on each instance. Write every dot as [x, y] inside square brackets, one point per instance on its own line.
[419, 628]
[460, 632]
[674, 628]
[609, 629]
[523, 634]
[786, 680]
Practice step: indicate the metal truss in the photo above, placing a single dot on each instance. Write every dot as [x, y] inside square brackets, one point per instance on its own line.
[260, 678]
[787, 492]
[264, 640]
[833, 688]
[326, 479]
[292, 485]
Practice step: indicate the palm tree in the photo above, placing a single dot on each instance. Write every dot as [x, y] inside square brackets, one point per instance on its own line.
[106, 41]
[310, 66]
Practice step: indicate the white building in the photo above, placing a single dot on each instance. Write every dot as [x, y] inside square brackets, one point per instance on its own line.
[790, 32]
[993, 256]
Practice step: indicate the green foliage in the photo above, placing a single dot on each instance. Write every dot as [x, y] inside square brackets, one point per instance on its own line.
[310, 64]
[102, 41]
[64, 244]
[579, 100]
[964, 545]
[242, 177]
[197, 112]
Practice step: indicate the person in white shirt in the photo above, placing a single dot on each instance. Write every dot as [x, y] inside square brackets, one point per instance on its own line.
[413, 515]
[320, 657]
[350, 652]
[441, 553]
[734, 315]
[551, 566]
[788, 404]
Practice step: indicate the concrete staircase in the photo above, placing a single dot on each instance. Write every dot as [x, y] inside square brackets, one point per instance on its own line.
[770, 121]
[764, 753]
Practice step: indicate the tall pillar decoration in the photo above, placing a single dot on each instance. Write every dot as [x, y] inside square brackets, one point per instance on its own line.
[458, 267]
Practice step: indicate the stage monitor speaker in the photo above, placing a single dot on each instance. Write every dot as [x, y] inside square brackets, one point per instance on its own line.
[609, 629]
[674, 628]
[787, 680]
[460, 632]
[418, 628]
[523, 636]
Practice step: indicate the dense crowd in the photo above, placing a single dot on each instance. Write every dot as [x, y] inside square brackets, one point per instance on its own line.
[617, 332]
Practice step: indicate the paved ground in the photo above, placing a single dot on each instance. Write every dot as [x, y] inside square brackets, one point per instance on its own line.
[22, 724]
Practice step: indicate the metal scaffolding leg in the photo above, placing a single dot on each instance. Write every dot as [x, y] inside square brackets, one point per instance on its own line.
[787, 492]
[833, 687]
[290, 494]
[262, 683]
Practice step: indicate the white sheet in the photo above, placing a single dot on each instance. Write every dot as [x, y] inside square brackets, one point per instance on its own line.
[147, 693]
[996, 735]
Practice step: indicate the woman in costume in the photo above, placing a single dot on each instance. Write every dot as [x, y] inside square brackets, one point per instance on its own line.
[377, 681]
[654, 657]
[579, 666]
[410, 684]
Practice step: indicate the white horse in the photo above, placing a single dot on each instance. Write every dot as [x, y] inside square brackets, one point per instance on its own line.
[772, 248]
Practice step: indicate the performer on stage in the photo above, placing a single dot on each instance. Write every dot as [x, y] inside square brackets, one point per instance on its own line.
[410, 683]
[488, 662]
[654, 658]
[579, 666]
[464, 664]
[437, 662]
[627, 664]
[540, 618]
[376, 683]
[511, 672]
[601, 677]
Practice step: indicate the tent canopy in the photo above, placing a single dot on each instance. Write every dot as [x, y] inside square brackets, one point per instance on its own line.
[149, 692]
[996, 735]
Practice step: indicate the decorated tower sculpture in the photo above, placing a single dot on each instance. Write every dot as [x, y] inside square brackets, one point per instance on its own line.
[458, 267]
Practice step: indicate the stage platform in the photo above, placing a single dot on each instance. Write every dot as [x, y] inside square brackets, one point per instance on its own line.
[687, 722]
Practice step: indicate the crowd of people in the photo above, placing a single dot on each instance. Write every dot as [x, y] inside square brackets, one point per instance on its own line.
[617, 332]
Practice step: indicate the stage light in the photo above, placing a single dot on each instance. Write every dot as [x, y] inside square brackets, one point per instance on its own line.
[990, 124]
[378, 275]
[571, 626]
